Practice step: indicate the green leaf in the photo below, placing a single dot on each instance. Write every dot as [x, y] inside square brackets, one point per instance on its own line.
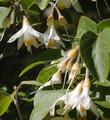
[42, 4]
[43, 100]
[49, 54]
[104, 24]
[77, 7]
[85, 24]
[104, 104]
[5, 101]
[27, 3]
[101, 54]
[31, 66]
[44, 57]
[86, 44]
[46, 73]
[104, 84]
[3, 13]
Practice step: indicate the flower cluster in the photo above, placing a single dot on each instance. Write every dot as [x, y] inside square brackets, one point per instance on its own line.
[65, 66]
[79, 98]
[27, 36]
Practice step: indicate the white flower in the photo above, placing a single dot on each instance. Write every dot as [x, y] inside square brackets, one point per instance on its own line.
[85, 101]
[52, 40]
[27, 36]
[71, 99]
[56, 79]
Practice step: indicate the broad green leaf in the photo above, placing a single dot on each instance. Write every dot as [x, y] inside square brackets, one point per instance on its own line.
[4, 3]
[28, 3]
[3, 13]
[3, 0]
[104, 24]
[104, 104]
[43, 100]
[85, 24]
[5, 101]
[44, 57]
[42, 4]
[46, 73]
[104, 84]
[86, 44]
[31, 66]
[49, 54]
[101, 54]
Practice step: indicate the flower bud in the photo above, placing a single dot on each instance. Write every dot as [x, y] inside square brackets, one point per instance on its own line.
[72, 53]
[69, 65]
[62, 20]
[62, 65]
[74, 71]
[50, 20]
[87, 83]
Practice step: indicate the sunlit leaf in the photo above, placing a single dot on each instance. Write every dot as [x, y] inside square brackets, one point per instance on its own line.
[28, 3]
[43, 101]
[42, 4]
[46, 73]
[44, 57]
[5, 101]
[104, 24]
[30, 67]
[104, 84]
[101, 54]
[104, 104]
[85, 24]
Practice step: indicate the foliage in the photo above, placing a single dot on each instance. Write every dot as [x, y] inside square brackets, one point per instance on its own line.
[67, 42]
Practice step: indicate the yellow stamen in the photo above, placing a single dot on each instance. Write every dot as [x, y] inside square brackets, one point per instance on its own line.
[52, 44]
[28, 42]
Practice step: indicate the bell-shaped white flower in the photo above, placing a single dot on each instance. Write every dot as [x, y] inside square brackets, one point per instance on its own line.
[27, 36]
[52, 40]
[85, 101]
[56, 79]
[71, 99]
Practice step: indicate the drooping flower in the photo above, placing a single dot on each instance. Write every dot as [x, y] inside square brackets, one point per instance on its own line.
[85, 101]
[52, 40]
[27, 35]
[71, 99]
[56, 79]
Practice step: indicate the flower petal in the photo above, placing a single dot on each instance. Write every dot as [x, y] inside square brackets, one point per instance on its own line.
[20, 42]
[29, 49]
[52, 108]
[36, 33]
[16, 35]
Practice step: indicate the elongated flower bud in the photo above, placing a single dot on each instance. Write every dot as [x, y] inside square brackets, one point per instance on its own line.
[72, 53]
[62, 20]
[50, 20]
